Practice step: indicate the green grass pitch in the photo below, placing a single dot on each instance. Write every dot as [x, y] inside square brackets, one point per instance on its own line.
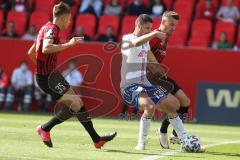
[19, 141]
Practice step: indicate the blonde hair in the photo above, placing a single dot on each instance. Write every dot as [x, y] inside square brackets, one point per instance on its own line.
[61, 9]
[171, 14]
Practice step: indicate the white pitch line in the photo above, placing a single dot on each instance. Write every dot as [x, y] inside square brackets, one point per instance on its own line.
[171, 153]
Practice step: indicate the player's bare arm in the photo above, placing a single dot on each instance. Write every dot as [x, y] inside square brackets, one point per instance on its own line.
[31, 53]
[49, 47]
[145, 38]
[154, 66]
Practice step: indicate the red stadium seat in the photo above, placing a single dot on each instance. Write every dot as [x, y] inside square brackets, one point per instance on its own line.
[176, 41]
[107, 20]
[128, 24]
[180, 34]
[201, 32]
[44, 5]
[156, 23]
[65, 34]
[88, 22]
[228, 28]
[1, 20]
[38, 19]
[198, 43]
[184, 8]
[168, 3]
[235, 2]
[19, 19]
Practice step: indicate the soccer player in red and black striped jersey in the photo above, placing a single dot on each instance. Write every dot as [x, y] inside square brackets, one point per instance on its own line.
[44, 54]
[159, 48]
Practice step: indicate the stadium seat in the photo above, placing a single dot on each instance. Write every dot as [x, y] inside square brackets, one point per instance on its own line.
[1, 20]
[176, 41]
[197, 42]
[128, 24]
[65, 34]
[39, 18]
[88, 22]
[184, 8]
[44, 5]
[19, 19]
[180, 35]
[201, 32]
[229, 28]
[156, 23]
[168, 3]
[107, 20]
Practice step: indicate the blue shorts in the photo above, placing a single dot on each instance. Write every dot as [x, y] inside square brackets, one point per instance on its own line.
[131, 93]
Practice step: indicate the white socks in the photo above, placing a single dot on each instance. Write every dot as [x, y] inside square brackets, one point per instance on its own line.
[143, 130]
[178, 127]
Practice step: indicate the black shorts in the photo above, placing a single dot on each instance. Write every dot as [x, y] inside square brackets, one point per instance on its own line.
[168, 83]
[176, 87]
[53, 84]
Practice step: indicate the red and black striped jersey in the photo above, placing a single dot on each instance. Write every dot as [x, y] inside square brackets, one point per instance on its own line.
[46, 63]
[158, 48]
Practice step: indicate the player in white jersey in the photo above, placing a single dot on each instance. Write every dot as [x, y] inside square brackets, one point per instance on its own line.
[136, 90]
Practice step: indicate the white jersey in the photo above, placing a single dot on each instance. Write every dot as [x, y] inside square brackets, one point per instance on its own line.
[74, 78]
[134, 62]
[21, 78]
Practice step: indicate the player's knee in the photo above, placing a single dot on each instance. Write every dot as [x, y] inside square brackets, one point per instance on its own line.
[172, 105]
[149, 111]
[186, 102]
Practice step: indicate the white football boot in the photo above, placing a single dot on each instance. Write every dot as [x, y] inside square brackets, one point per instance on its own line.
[163, 139]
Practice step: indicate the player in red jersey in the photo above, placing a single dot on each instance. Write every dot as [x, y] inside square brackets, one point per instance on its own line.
[168, 25]
[44, 54]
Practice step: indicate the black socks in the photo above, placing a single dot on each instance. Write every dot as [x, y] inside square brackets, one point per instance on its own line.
[64, 114]
[86, 121]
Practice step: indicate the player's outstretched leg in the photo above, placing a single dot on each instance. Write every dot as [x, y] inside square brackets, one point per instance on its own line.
[85, 119]
[182, 111]
[169, 106]
[44, 130]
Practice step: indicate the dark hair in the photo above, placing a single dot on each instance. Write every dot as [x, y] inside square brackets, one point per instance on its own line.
[143, 19]
[171, 14]
[61, 9]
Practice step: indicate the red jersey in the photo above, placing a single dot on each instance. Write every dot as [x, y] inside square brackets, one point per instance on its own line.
[158, 48]
[46, 63]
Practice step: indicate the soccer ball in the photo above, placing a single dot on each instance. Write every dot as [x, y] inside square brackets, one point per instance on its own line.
[191, 144]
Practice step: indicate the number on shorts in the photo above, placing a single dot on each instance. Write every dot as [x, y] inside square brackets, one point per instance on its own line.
[60, 87]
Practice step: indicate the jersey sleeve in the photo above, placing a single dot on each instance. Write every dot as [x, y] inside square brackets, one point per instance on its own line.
[50, 33]
[125, 42]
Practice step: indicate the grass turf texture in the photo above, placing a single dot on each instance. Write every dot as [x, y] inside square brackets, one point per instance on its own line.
[19, 141]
